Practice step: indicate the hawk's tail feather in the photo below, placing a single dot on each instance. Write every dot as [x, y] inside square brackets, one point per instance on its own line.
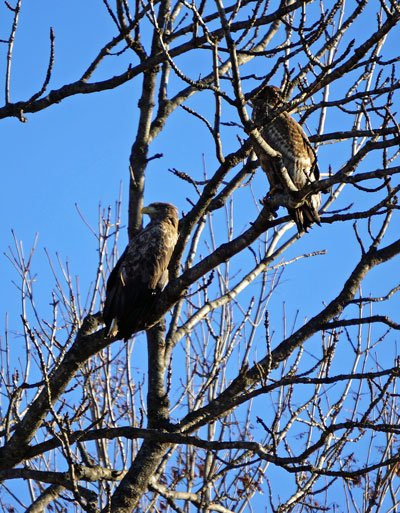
[305, 216]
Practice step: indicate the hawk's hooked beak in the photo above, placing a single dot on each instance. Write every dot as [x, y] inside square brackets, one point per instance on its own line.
[147, 210]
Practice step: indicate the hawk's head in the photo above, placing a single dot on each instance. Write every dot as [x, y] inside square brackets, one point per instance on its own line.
[161, 211]
[269, 95]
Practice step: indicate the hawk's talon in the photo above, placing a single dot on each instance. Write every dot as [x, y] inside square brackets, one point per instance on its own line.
[265, 202]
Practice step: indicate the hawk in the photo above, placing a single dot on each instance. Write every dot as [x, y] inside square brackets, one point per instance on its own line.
[141, 272]
[286, 136]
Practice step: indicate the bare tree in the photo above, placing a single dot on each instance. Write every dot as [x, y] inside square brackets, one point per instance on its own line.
[237, 400]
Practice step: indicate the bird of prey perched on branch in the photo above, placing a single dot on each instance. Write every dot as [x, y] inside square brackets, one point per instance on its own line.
[141, 272]
[283, 134]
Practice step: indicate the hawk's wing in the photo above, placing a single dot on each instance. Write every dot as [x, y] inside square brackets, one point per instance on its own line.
[137, 276]
[286, 136]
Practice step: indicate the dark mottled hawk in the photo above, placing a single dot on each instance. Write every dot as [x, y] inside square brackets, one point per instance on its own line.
[286, 136]
[141, 272]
